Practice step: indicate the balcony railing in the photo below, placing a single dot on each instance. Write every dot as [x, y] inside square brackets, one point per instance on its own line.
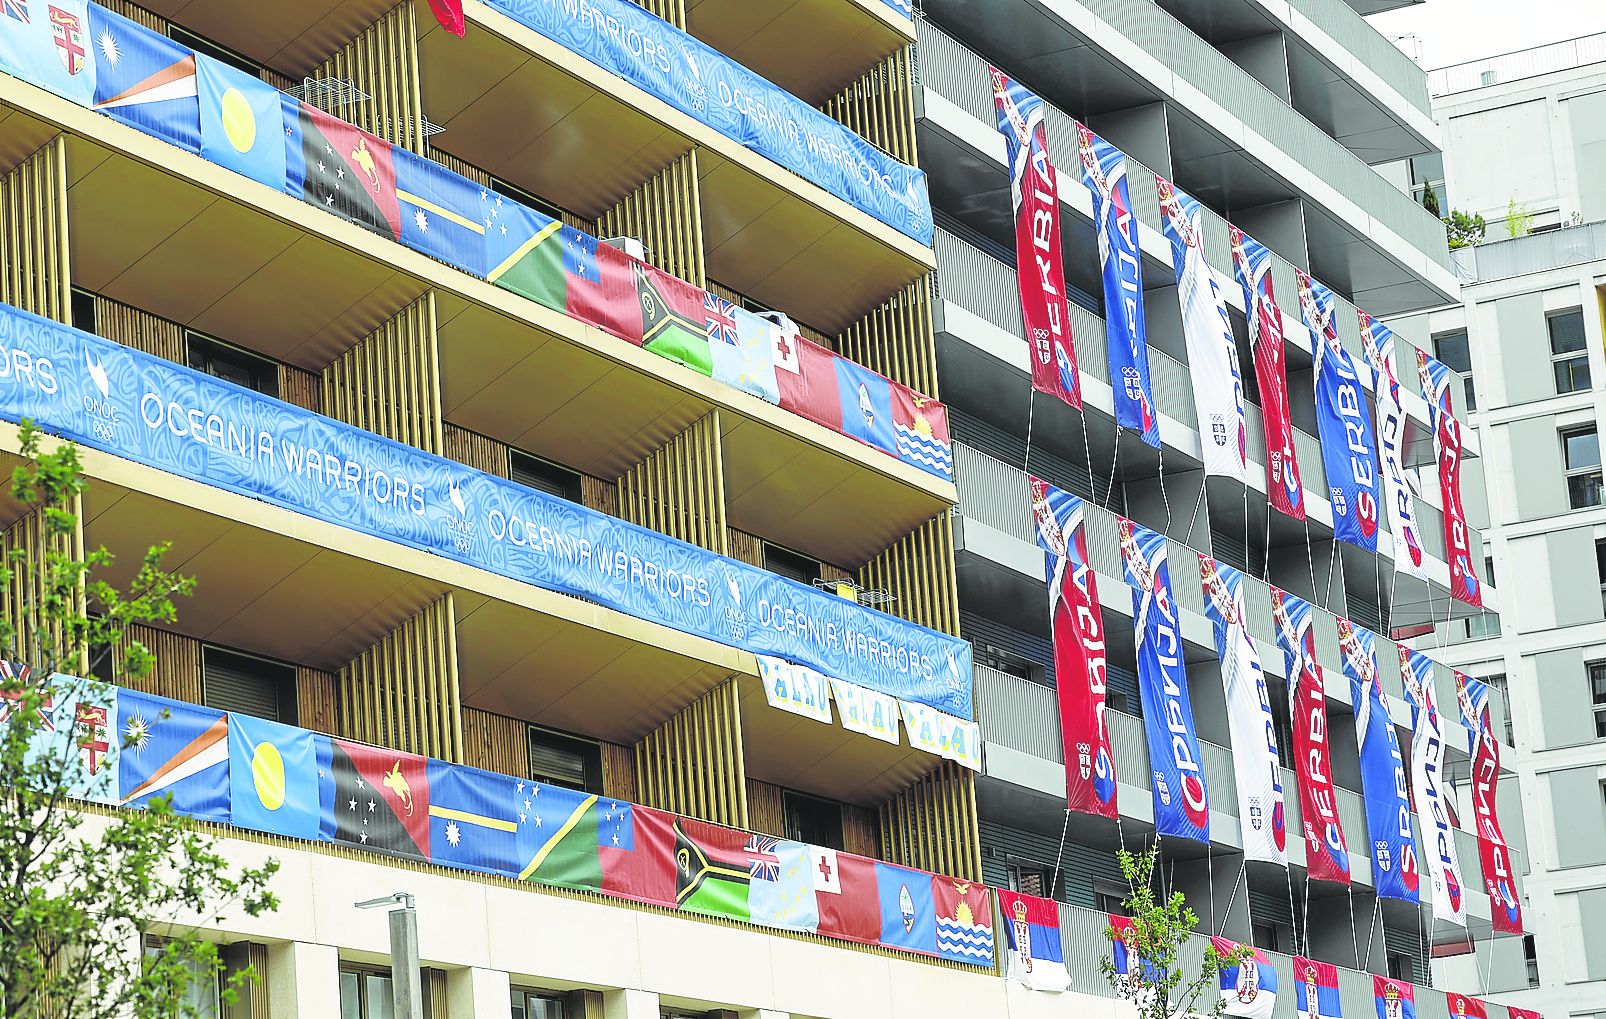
[1528, 63]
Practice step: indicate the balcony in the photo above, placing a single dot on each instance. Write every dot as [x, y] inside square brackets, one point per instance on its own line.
[1354, 230]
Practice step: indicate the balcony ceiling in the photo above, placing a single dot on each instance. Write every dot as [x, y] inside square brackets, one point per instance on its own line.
[292, 36]
[810, 48]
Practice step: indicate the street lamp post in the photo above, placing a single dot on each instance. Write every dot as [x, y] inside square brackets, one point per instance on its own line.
[406, 987]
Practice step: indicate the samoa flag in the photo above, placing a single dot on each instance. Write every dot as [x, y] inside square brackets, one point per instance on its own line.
[1316, 989]
[1121, 266]
[1349, 448]
[1181, 801]
[1249, 988]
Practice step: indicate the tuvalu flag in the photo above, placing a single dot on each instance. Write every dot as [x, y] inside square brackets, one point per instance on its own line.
[147, 80]
[380, 798]
[275, 784]
[741, 348]
[340, 168]
[170, 748]
[673, 318]
[241, 122]
[782, 895]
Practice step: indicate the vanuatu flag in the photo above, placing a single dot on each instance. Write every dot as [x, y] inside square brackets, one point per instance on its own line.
[341, 169]
[380, 798]
[170, 748]
[557, 837]
[672, 319]
[715, 867]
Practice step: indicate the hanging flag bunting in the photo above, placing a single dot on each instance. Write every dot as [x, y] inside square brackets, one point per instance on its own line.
[1251, 262]
[75, 737]
[1326, 853]
[1396, 870]
[1121, 262]
[1261, 815]
[1499, 877]
[868, 712]
[146, 80]
[939, 733]
[964, 920]
[1138, 976]
[1316, 989]
[1032, 938]
[47, 42]
[1395, 999]
[1248, 987]
[1427, 789]
[1039, 270]
[1466, 1007]
[1079, 655]
[450, 15]
[1447, 442]
[1348, 448]
[795, 688]
[1181, 800]
[1218, 388]
[1378, 341]
[174, 749]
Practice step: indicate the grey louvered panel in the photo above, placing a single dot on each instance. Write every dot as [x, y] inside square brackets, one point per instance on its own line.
[1257, 610]
[977, 282]
[994, 493]
[1173, 387]
[1018, 714]
[1090, 337]
[1186, 587]
[1104, 543]
[1312, 469]
[1255, 428]
[1130, 748]
[1324, 627]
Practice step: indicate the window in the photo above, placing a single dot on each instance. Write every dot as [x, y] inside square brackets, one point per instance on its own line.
[1271, 935]
[536, 1005]
[544, 476]
[1488, 571]
[791, 565]
[1497, 683]
[1531, 958]
[231, 681]
[83, 310]
[813, 820]
[200, 982]
[566, 761]
[1597, 694]
[1484, 624]
[1031, 879]
[1427, 172]
[201, 44]
[1581, 459]
[366, 994]
[1008, 662]
[1452, 349]
[230, 363]
[1401, 966]
[1110, 898]
[1568, 358]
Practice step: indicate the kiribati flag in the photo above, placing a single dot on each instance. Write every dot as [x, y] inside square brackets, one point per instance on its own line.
[1032, 936]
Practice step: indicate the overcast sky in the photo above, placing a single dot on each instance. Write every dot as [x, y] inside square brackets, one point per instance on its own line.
[1453, 31]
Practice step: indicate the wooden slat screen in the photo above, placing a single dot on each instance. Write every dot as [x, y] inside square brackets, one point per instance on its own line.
[301, 387]
[496, 742]
[175, 670]
[480, 452]
[318, 701]
[749, 548]
[765, 808]
[879, 107]
[390, 382]
[139, 329]
[382, 61]
[693, 764]
[932, 824]
[672, 11]
[860, 833]
[619, 772]
[600, 495]
[666, 215]
[898, 339]
[918, 571]
[35, 268]
[26, 546]
[403, 692]
[679, 489]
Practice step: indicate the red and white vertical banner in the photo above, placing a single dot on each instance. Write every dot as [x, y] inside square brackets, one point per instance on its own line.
[1447, 443]
[1499, 877]
[1033, 187]
[1251, 262]
[1378, 341]
[1465, 1006]
[1079, 657]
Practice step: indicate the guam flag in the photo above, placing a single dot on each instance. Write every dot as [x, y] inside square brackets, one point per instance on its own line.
[1396, 867]
[171, 748]
[1316, 989]
[1378, 341]
[1032, 937]
[1181, 801]
[1251, 262]
[1348, 448]
[146, 80]
[1079, 657]
[865, 401]
[1326, 854]
[1121, 263]
[1499, 877]
[908, 911]
[1396, 999]
[1249, 987]
[1447, 442]
[1039, 269]
[1427, 789]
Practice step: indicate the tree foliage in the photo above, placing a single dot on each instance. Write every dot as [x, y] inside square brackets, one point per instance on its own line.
[1161, 928]
[1519, 219]
[1430, 201]
[1464, 230]
[80, 887]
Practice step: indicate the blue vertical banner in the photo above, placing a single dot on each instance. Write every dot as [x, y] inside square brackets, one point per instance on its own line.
[1121, 265]
[1181, 801]
[1349, 449]
[1396, 864]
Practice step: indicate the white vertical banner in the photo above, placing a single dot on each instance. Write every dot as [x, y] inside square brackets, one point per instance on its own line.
[868, 712]
[1378, 340]
[1427, 789]
[942, 734]
[795, 688]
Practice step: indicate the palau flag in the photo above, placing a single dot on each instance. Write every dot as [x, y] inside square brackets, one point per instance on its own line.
[274, 778]
[673, 322]
[242, 125]
[557, 837]
[474, 818]
[440, 211]
[170, 748]
[146, 80]
[908, 914]
[47, 42]
[866, 401]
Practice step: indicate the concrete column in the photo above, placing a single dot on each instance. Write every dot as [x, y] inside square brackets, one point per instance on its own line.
[303, 979]
[475, 993]
[629, 1003]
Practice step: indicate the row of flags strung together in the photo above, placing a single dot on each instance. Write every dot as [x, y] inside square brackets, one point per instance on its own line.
[1179, 788]
[123, 748]
[1364, 466]
[97, 58]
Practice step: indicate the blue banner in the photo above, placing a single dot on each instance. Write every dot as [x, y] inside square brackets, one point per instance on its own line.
[1181, 802]
[1349, 449]
[704, 83]
[903, 7]
[166, 416]
[151, 82]
[170, 748]
[1396, 870]
[1121, 262]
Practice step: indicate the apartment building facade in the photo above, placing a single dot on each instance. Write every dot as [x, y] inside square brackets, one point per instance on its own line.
[547, 535]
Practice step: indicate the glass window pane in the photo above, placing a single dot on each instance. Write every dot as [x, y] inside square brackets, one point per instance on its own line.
[1584, 490]
[1600, 724]
[378, 994]
[1572, 374]
[1566, 331]
[1451, 348]
[1583, 449]
[350, 997]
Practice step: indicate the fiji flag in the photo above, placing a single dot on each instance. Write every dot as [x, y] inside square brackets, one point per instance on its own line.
[170, 748]
[75, 733]
[473, 818]
[242, 125]
[908, 912]
[440, 211]
[1249, 988]
[1032, 933]
[1316, 989]
[274, 778]
[866, 400]
[144, 79]
[47, 42]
